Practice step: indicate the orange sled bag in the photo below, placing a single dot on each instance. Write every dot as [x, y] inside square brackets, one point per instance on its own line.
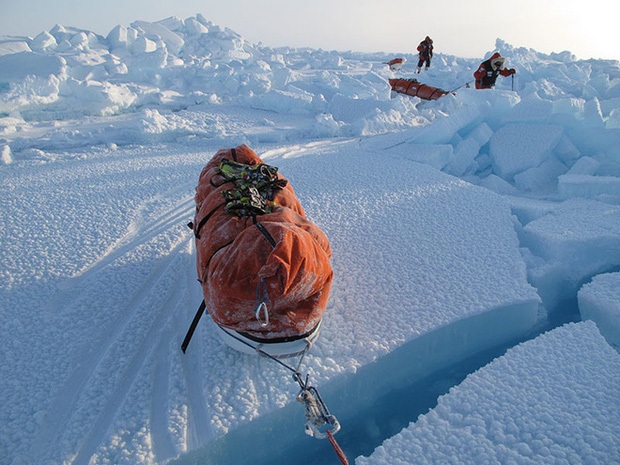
[264, 268]
[416, 89]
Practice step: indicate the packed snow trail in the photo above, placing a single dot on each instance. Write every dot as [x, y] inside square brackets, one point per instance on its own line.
[129, 342]
[119, 308]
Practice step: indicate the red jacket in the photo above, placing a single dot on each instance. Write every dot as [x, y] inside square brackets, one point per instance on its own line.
[425, 48]
[487, 72]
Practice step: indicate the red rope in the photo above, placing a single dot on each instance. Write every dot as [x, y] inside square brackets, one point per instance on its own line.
[341, 456]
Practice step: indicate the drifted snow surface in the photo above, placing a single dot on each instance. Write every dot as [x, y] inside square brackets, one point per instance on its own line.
[533, 405]
[460, 227]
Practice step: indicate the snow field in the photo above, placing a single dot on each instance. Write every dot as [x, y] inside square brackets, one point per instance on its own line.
[457, 226]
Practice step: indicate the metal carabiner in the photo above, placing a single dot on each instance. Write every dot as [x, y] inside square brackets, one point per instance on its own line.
[262, 297]
[262, 306]
[318, 418]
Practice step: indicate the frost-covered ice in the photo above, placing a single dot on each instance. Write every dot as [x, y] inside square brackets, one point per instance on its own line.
[458, 226]
[533, 405]
[599, 301]
[577, 240]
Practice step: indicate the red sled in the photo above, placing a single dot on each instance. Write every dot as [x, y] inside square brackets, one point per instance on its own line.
[396, 64]
[264, 268]
[416, 89]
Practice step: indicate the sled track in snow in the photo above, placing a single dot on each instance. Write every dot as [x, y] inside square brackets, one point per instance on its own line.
[144, 351]
[292, 151]
[139, 233]
[130, 372]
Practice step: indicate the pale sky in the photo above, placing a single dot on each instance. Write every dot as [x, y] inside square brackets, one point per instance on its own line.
[589, 29]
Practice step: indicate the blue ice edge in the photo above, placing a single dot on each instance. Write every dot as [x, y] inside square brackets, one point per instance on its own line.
[379, 399]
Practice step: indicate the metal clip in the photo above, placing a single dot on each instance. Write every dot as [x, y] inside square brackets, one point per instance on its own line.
[262, 307]
[262, 297]
[318, 418]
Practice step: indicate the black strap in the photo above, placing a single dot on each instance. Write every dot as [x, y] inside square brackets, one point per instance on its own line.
[411, 83]
[192, 327]
[233, 152]
[201, 309]
[262, 229]
[205, 219]
[430, 97]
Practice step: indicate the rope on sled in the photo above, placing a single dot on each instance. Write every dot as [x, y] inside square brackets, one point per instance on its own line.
[318, 417]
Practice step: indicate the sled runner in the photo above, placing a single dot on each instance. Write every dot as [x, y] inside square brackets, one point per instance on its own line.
[416, 89]
[264, 268]
[279, 347]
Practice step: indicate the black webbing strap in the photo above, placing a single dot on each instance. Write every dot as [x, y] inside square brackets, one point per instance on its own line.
[192, 327]
[201, 309]
[430, 97]
[233, 152]
[262, 229]
[205, 219]
[411, 83]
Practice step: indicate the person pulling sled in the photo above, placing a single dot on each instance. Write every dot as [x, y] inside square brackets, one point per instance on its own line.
[487, 72]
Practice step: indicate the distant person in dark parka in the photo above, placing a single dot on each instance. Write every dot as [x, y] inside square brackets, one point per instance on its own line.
[425, 53]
